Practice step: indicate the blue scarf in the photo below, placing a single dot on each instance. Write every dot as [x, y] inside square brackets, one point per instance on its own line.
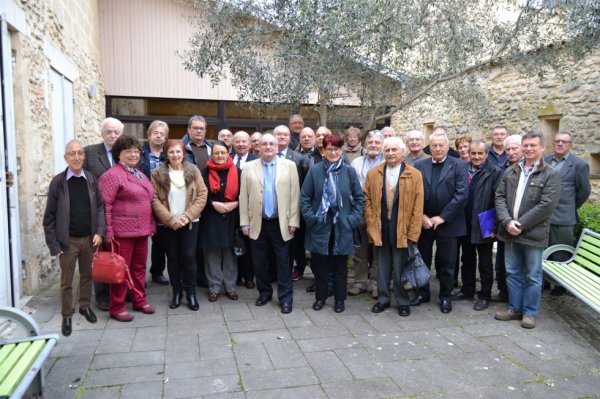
[331, 199]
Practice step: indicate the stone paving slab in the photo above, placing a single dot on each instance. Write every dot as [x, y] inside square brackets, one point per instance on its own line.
[235, 350]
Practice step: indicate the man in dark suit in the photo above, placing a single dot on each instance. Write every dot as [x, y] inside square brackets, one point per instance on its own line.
[575, 189]
[98, 159]
[296, 125]
[445, 182]
[242, 154]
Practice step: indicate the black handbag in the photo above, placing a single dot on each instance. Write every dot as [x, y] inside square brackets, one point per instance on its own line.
[239, 245]
[415, 273]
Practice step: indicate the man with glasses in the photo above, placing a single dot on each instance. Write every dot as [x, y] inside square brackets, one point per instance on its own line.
[525, 200]
[372, 158]
[497, 155]
[73, 223]
[198, 149]
[270, 214]
[414, 142]
[98, 159]
[575, 189]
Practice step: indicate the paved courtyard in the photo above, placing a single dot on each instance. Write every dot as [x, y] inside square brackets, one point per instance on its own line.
[233, 349]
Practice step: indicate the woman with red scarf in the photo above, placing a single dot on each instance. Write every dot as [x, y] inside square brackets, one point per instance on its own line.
[219, 222]
[179, 197]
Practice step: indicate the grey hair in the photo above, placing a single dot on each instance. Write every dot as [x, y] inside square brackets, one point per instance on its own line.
[533, 135]
[282, 128]
[486, 146]
[113, 121]
[73, 141]
[241, 133]
[397, 141]
[391, 129]
[440, 134]
[516, 138]
[197, 118]
[415, 132]
[223, 131]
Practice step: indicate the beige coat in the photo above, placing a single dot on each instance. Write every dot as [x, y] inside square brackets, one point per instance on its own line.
[195, 198]
[287, 188]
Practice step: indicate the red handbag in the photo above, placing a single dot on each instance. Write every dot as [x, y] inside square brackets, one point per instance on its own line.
[109, 267]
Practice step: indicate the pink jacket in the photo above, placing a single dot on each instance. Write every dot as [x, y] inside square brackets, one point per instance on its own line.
[127, 203]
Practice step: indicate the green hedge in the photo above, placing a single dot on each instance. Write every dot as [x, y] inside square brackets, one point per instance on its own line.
[589, 215]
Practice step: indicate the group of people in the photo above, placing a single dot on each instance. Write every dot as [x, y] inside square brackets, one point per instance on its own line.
[247, 208]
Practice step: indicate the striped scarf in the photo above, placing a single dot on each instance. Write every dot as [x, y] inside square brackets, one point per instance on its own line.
[331, 199]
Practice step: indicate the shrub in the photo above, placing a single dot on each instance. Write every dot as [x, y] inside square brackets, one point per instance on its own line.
[589, 215]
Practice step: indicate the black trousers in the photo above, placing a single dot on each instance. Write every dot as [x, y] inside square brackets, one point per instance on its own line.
[501, 269]
[322, 266]
[158, 251]
[297, 251]
[181, 253]
[270, 238]
[445, 260]
[469, 268]
[245, 267]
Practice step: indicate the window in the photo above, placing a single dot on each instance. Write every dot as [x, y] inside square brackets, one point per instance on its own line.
[549, 126]
[62, 109]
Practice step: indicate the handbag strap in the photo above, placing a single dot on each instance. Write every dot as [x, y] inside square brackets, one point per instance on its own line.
[129, 282]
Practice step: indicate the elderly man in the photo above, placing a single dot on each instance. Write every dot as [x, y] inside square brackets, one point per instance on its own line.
[255, 142]
[198, 149]
[441, 130]
[362, 165]
[296, 125]
[483, 180]
[152, 157]
[415, 141]
[497, 155]
[575, 189]
[241, 149]
[98, 159]
[270, 214]
[307, 141]
[226, 137]
[393, 216]
[525, 199]
[388, 131]
[74, 223]
[445, 181]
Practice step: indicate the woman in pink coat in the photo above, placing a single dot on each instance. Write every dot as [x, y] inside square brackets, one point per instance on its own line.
[127, 195]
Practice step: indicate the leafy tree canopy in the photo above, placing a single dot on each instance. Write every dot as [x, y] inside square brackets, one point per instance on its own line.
[383, 54]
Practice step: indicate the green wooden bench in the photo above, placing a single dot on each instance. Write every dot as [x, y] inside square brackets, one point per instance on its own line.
[21, 360]
[580, 275]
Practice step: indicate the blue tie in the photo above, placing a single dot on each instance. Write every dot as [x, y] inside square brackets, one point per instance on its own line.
[269, 194]
[280, 154]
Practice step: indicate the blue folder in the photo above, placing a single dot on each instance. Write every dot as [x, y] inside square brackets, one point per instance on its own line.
[486, 222]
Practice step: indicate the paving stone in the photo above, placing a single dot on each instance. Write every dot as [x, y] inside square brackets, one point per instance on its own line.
[235, 311]
[186, 348]
[150, 339]
[73, 346]
[215, 345]
[422, 376]
[440, 344]
[125, 375]
[379, 339]
[327, 343]
[106, 361]
[273, 379]
[263, 324]
[458, 336]
[260, 336]
[325, 319]
[298, 318]
[383, 322]
[252, 356]
[101, 393]
[361, 364]
[285, 354]
[365, 389]
[401, 351]
[67, 372]
[226, 395]
[198, 387]
[116, 341]
[203, 368]
[318, 332]
[306, 392]
[146, 390]
[328, 367]
[356, 324]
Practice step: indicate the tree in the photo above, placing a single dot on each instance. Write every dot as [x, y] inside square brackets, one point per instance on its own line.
[384, 54]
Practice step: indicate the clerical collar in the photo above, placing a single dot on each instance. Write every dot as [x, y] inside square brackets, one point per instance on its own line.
[439, 162]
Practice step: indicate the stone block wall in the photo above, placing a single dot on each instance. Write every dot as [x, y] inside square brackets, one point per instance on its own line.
[72, 28]
[567, 101]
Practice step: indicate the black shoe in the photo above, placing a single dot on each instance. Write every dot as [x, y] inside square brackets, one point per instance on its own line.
[176, 301]
[501, 297]
[67, 326]
[330, 293]
[339, 307]
[557, 291]
[160, 279]
[286, 308]
[88, 314]
[379, 307]
[192, 302]
[481, 304]
[250, 284]
[262, 301]
[419, 299]
[311, 288]
[318, 305]
[446, 305]
[404, 310]
[461, 296]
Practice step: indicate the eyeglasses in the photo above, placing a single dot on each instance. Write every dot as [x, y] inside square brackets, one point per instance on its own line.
[198, 128]
[75, 153]
[562, 141]
[333, 150]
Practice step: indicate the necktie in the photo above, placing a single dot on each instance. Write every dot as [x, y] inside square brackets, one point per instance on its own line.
[280, 154]
[238, 163]
[269, 208]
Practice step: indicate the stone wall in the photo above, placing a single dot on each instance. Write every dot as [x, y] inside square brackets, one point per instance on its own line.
[72, 28]
[568, 101]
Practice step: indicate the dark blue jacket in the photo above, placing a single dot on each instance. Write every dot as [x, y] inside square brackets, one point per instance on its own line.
[483, 198]
[350, 216]
[144, 164]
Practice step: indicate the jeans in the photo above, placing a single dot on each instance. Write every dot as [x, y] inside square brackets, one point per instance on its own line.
[524, 277]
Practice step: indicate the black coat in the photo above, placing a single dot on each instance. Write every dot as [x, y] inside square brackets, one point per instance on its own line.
[217, 230]
[483, 199]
